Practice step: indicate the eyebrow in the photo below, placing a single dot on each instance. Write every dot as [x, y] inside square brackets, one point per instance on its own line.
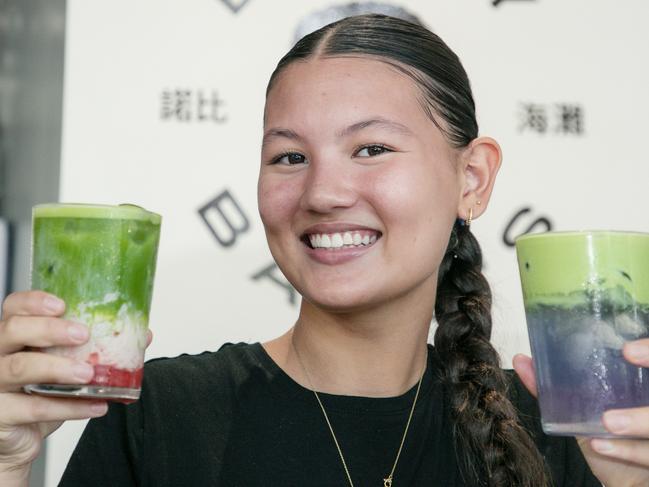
[378, 122]
[279, 133]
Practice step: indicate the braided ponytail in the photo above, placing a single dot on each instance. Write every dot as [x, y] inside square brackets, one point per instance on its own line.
[496, 450]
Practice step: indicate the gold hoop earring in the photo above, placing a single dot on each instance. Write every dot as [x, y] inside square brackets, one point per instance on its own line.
[468, 220]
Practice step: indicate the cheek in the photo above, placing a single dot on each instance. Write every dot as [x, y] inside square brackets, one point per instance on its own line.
[416, 198]
[418, 209]
[277, 198]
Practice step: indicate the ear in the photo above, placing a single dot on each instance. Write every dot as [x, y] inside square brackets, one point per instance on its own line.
[480, 162]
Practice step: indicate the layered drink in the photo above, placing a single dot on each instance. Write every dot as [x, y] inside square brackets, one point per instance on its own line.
[101, 261]
[586, 294]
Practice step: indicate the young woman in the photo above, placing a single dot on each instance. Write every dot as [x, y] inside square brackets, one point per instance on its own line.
[371, 172]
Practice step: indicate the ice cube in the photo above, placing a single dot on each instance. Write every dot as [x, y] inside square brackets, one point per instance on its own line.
[595, 335]
[604, 335]
[629, 327]
[579, 346]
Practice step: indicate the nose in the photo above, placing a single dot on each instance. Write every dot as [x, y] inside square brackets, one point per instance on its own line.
[328, 186]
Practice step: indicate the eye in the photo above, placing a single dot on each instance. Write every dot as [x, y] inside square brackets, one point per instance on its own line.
[372, 150]
[289, 159]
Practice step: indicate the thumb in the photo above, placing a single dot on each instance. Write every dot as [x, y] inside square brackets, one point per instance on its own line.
[525, 370]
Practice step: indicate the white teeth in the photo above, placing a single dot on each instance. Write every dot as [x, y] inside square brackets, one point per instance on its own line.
[340, 240]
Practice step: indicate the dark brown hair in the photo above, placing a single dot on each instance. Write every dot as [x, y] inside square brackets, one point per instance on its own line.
[492, 447]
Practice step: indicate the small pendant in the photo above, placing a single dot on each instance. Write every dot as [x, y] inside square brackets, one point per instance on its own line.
[387, 482]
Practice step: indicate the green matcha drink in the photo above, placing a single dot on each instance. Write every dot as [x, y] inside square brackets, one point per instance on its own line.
[585, 294]
[101, 261]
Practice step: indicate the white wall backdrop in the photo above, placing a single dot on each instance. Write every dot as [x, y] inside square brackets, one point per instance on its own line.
[162, 108]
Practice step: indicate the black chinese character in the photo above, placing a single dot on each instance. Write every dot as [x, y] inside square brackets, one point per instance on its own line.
[534, 118]
[209, 108]
[570, 119]
[176, 104]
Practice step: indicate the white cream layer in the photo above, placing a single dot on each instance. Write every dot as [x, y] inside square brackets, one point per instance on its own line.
[114, 341]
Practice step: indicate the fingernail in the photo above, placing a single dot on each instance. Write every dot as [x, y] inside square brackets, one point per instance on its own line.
[616, 422]
[98, 408]
[78, 333]
[53, 304]
[602, 446]
[83, 371]
[637, 351]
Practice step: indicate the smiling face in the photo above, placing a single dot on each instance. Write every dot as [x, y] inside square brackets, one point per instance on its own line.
[358, 189]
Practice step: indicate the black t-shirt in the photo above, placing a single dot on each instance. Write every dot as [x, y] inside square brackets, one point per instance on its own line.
[233, 418]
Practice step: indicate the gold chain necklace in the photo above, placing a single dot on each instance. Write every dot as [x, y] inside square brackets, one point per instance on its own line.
[387, 482]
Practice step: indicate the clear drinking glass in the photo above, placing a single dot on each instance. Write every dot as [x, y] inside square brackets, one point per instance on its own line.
[585, 294]
[101, 261]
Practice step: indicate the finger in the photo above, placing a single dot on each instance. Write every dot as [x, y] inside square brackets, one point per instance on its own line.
[634, 451]
[18, 408]
[525, 369]
[628, 422]
[149, 338]
[19, 332]
[637, 352]
[35, 303]
[19, 369]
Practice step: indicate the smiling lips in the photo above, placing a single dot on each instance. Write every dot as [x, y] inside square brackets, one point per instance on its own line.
[341, 240]
[333, 244]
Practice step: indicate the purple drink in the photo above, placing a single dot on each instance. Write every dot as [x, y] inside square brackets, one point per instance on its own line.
[586, 294]
[580, 370]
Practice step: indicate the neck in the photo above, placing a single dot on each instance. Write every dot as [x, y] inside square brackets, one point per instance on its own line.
[380, 352]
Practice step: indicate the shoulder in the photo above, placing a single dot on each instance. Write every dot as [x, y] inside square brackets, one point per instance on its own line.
[201, 373]
[227, 354]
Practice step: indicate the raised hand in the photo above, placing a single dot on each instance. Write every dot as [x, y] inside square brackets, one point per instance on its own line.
[32, 319]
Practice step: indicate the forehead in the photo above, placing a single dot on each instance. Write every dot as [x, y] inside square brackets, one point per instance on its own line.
[338, 89]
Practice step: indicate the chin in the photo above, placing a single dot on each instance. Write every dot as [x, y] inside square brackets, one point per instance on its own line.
[342, 300]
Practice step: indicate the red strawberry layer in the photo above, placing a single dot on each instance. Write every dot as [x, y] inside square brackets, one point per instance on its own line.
[106, 375]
